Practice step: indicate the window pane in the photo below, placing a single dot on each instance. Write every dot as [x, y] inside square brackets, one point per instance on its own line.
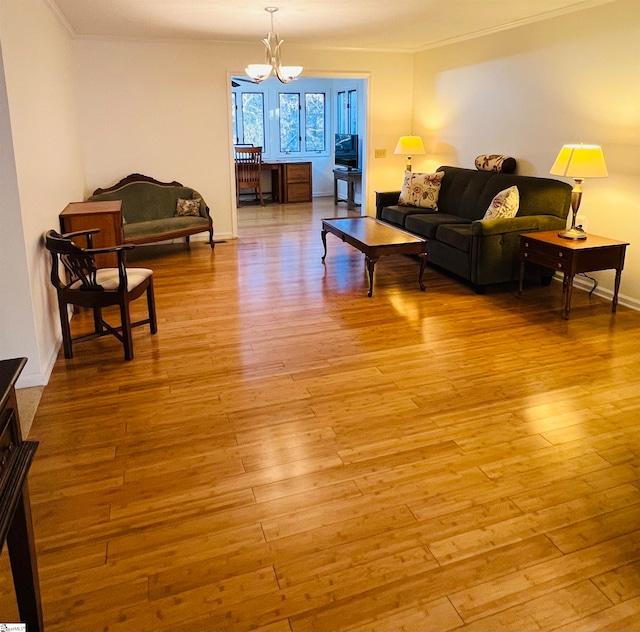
[341, 126]
[253, 118]
[314, 121]
[234, 118]
[289, 122]
[353, 112]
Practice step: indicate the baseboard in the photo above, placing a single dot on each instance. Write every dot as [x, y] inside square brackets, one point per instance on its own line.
[40, 378]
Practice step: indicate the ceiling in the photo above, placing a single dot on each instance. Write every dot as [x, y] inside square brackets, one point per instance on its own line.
[400, 25]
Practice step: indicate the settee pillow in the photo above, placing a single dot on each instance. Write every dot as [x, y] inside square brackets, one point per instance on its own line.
[504, 205]
[187, 207]
[496, 162]
[421, 189]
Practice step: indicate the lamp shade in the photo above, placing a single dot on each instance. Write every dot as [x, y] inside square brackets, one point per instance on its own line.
[579, 162]
[410, 146]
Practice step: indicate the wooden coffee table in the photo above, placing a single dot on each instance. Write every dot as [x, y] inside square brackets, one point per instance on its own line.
[375, 239]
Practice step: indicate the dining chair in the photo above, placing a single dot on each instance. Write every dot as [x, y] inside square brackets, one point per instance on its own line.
[83, 284]
[248, 163]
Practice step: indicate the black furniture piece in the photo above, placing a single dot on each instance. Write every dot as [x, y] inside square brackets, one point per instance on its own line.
[16, 526]
[351, 177]
[460, 241]
[92, 287]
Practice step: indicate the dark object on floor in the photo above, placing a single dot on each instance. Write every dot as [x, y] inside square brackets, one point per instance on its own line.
[95, 288]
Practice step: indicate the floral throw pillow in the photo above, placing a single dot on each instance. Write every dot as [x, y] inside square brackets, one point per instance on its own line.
[504, 205]
[421, 189]
[187, 207]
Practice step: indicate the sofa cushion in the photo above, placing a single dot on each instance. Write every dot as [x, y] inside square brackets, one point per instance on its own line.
[427, 224]
[421, 189]
[496, 162]
[456, 235]
[397, 215]
[187, 207]
[159, 227]
[504, 205]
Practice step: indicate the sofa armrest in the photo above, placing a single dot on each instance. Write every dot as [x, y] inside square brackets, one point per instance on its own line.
[385, 198]
[522, 224]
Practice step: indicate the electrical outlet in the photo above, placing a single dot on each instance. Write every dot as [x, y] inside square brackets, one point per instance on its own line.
[582, 222]
[381, 153]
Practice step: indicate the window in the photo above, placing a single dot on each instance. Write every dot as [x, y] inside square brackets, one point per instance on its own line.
[314, 121]
[250, 119]
[353, 112]
[283, 123]
[347, 112]
[289, 122]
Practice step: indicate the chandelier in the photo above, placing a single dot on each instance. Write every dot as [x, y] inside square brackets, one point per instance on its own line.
[259, 72]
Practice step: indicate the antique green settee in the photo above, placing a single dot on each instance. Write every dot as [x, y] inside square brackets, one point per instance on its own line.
[460, 241]
[156, 211]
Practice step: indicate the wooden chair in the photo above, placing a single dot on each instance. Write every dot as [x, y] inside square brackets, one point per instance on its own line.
[95, 288]
[248, 171]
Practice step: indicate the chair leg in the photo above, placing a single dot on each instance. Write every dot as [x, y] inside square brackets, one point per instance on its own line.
[127, 338]
[259, 189]
[151, 304]
[97, 320]
[66, 329]
[187, 240]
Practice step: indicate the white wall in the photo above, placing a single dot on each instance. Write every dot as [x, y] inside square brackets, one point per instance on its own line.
[163, 109]
[528, 91]
[39, 78]
[16, 314]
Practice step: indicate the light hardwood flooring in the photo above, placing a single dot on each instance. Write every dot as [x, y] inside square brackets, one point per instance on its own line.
[287, 454]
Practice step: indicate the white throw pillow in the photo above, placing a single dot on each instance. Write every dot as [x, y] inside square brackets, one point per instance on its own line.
[504, 205]
[421, 189]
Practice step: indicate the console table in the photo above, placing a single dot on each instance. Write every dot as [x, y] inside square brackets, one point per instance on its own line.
[571, 257]
[16, 527]
[350, 176]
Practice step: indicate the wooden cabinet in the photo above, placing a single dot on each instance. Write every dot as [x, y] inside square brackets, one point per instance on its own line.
[106, 216]
[296, 185]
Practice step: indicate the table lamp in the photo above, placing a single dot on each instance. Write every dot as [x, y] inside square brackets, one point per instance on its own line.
[578, 162]
[409, 146]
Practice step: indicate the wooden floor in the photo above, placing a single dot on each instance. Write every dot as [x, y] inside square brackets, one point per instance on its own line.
[288, 454]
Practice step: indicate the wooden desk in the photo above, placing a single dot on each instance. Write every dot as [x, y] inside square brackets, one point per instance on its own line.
[290, 181]
[274, 168]
[571, 257]
[350, 176]
[16, 527]
[106, 216]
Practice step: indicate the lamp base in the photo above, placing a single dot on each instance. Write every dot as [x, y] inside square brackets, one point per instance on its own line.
[573, 233]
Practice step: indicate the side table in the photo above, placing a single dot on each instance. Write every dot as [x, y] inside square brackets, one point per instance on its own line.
[350, 176]
[106, 216]
[571, 257]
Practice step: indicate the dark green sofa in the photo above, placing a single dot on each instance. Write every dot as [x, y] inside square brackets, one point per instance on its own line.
[481, 251]
[149, 210]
